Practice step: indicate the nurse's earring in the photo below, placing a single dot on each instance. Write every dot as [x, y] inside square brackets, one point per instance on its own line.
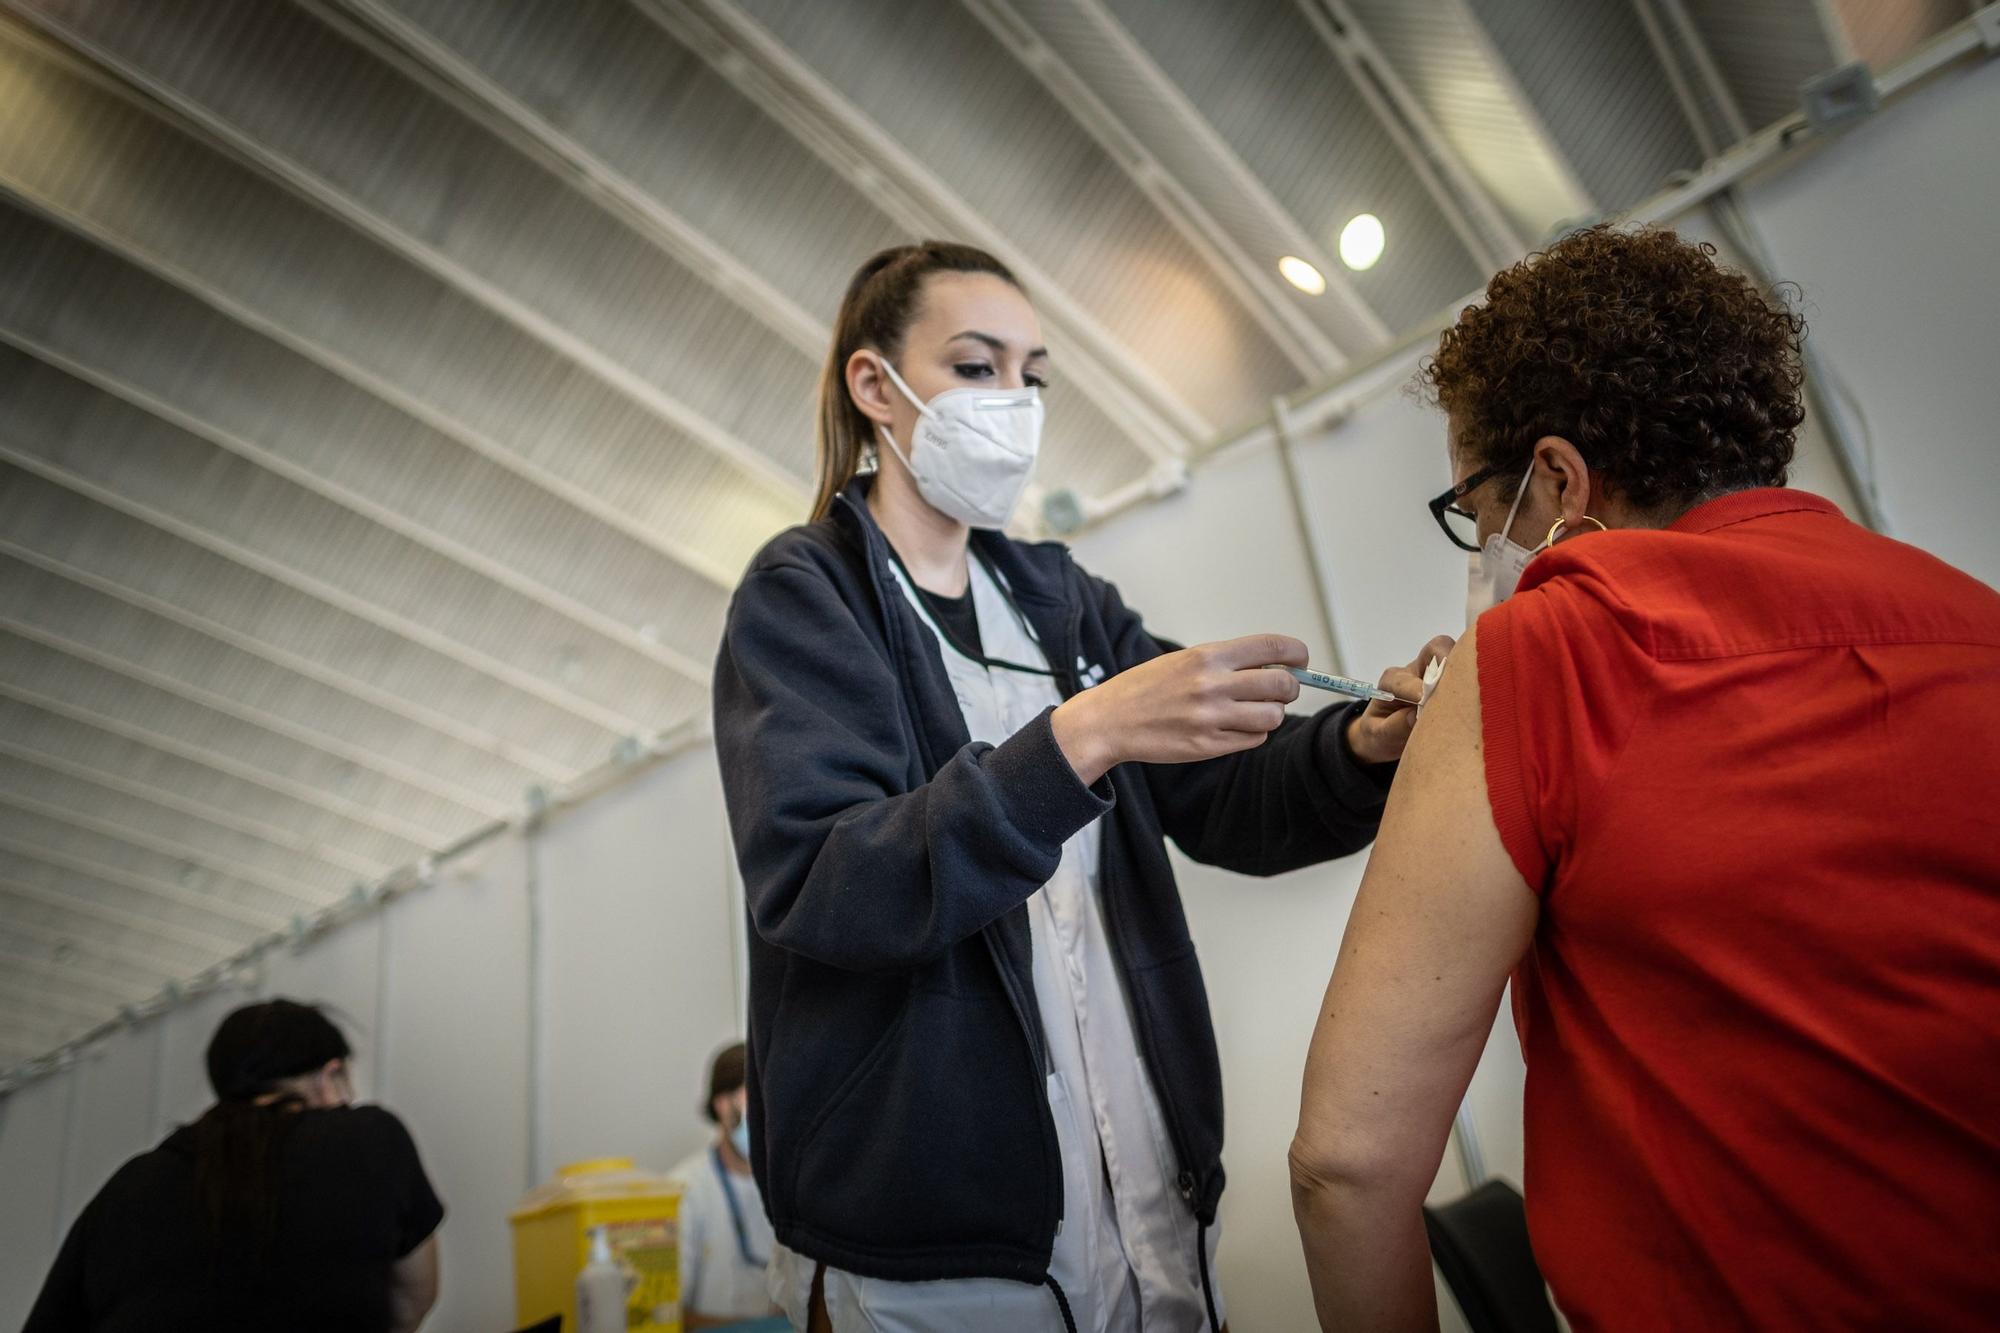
[1550, 540]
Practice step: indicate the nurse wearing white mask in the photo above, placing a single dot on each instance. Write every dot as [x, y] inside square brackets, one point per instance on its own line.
[983, 1085]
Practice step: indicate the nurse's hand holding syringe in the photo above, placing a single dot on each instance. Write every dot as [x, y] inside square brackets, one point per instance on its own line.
[1181, 707]
[1219, 698]
[1379, 733]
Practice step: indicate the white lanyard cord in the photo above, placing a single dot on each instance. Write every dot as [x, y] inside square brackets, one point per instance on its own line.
[944, 634]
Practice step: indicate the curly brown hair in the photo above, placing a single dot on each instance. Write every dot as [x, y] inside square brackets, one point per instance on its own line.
[1675, 378]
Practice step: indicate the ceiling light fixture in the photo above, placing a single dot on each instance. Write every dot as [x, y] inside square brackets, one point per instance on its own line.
[1361, 241]
[1302, 275]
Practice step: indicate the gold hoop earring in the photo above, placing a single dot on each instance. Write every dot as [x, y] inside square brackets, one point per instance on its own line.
[1550, 540]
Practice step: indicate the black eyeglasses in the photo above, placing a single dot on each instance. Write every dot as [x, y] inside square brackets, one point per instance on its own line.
[1444, 509]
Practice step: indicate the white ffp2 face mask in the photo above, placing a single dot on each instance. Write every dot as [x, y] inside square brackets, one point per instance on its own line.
[1495, 569]
[973, 450]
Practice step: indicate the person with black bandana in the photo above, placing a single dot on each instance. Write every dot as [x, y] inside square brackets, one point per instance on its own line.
[283, 1206]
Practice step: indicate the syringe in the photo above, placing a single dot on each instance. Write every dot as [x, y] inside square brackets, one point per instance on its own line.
[1358, 689]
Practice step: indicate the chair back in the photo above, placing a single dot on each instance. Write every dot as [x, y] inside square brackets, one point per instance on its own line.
[1481, 1246]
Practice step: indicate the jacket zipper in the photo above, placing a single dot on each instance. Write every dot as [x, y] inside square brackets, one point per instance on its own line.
[1036, 1049]
[1185, 1182]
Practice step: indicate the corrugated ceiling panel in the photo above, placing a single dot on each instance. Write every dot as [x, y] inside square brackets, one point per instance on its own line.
[162, 195]
[36, 786]
[1439, 56]
[279, 407]
[958, 101]
[247, 389]
[45, 931]
[108, 444]
[219, 377]
[619, 86]
[1765, 50]
[603, 74]
[101, 625]
[96, 544]
[64, 683]
[28, 876]
[1592, 74]
[1270, 85]
[309, 96]
[182, 881]
[68, 744]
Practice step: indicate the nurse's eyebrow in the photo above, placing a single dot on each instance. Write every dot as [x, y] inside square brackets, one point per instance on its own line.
[994, 343]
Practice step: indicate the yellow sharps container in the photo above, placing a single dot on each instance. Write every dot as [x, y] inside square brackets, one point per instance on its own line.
[552, 1226]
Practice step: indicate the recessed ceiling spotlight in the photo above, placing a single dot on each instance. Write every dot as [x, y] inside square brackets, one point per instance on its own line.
[1361, 241]
[1302, 275]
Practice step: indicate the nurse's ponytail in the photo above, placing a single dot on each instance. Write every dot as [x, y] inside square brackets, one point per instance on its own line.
[876, 312]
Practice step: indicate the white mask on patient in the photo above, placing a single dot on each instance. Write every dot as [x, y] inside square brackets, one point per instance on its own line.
[1495, 569]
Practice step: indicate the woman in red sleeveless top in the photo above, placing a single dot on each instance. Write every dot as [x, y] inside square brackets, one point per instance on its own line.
[1712, 782]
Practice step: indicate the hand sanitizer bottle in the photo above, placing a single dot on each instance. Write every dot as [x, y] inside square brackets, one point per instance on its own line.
[602, 1288]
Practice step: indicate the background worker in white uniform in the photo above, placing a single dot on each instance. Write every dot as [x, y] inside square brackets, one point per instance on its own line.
[725, 1237]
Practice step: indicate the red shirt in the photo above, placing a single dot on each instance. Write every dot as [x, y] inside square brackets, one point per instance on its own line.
[1751, 765]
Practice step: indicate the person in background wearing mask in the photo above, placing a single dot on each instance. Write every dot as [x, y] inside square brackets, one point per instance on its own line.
[282, 1207]
[1713, 781]
[725, 1237]
[984, 1091]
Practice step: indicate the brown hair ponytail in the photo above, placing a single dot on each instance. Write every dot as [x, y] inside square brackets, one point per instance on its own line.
[881, 301]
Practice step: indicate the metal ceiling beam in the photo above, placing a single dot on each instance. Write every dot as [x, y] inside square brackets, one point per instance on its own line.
[587, 618]
[1708, 71]
[699, 562]
[227, 819]
[303, 183]
[789, 91]
[210, 943]
[1524, 105]
[450, 77]
[394, 826]
[191, 899]
[1684, 94]
[1479, 222]
[1311, 352]
[305, 895]
[431, 784]
[617, 724]
[412, 711]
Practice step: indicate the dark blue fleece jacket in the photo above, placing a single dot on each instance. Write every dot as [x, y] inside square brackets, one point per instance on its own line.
[898, 1108]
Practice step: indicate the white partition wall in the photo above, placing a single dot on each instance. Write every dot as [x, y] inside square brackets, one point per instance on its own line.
[638, 966]
[1220, 558]
[455, 1066]
[114, 1095]
[1889, 230]
[33, 1120]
